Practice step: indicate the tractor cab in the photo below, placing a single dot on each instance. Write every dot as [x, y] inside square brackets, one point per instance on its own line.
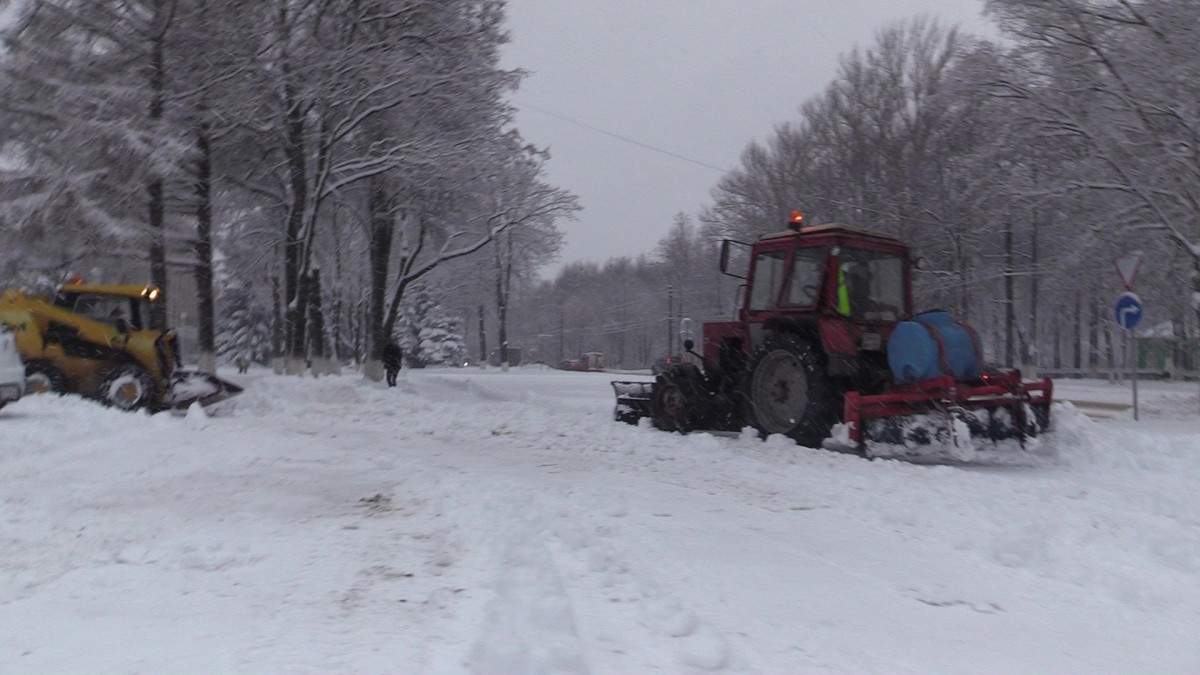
[841, 287]
[828, 270]
[858, 283]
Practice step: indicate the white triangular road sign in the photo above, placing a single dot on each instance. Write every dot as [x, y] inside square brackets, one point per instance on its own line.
[1127, 268]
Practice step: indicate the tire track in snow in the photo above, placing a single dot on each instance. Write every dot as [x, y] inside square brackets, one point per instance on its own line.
[566, 601]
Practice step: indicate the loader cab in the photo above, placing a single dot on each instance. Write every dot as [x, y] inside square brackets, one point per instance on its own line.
[124, 309]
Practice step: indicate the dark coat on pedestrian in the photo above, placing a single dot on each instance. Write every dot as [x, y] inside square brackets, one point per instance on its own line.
[392, 356]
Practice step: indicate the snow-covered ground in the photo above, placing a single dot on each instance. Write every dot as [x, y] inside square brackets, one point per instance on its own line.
[499, 522]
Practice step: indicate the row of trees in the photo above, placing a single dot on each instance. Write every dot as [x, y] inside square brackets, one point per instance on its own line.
[632, 310]
[315, 160]
[312, 159]
[1017, 170]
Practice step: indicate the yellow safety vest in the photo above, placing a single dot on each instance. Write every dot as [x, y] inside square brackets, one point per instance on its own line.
[843, 292]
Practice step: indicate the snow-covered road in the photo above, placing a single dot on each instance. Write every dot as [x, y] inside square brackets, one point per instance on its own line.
[500, 522]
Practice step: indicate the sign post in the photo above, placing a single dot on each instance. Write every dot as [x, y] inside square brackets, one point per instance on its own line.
[1129, 312]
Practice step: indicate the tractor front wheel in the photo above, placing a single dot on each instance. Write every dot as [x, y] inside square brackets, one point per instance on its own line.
[787, 392]
[127, 387]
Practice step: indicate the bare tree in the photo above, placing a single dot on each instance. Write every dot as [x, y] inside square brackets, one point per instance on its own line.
[1118, 80]
[530, 208]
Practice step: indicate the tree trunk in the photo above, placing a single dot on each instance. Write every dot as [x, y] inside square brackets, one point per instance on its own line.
[483, 355]
[1178, 343]
[338, 274]
[1057, 344]
[963, 270]
[158, 252]
[1110, 346]
[204, 255]
[1079, 332]
[379, 252]
[294, 311]
[277, 331]
[1093, 354]
[317, 339]
[1035, 275]
[504, 265]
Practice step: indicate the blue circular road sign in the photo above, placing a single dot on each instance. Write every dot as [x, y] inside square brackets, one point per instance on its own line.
[1128, 310]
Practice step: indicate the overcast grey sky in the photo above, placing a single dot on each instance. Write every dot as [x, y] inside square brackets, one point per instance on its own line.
[697, 78]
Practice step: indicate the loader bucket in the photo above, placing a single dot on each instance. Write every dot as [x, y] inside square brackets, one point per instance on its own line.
[945, 417]
[633, 401]
[190, 386]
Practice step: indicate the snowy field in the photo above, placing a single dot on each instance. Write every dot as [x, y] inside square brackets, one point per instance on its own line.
[499, 522]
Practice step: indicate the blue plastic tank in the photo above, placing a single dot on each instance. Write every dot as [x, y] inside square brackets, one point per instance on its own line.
[913, 353]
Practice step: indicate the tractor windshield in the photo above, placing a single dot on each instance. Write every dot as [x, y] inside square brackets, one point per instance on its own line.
[807, 265]
[110, 309]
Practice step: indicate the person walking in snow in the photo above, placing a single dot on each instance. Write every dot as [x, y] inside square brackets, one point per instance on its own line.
[391, 361]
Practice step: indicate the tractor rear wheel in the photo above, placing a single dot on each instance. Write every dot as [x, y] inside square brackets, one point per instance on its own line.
[41, 377]
[128, 387]
[787, 392]
[678, 400]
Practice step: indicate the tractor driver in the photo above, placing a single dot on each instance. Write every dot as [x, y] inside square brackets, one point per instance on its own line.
[858, 295]
[854, 290]
[119, 318]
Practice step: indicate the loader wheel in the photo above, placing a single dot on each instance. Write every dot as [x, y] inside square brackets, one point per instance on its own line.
[678, 399]
[787, 392]
[43, 378]
[127, 387]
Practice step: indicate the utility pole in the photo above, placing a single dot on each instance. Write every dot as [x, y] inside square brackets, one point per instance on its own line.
[1009, 299]
[670, 328]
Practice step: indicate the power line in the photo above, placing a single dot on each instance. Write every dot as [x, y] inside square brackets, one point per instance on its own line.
[619, 137]
[647, 146]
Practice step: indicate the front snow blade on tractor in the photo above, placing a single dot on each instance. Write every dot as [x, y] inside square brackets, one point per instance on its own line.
[948, 420]
[633, 401]
[190, 386]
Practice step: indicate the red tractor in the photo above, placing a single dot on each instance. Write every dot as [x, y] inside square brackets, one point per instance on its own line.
[826, 336]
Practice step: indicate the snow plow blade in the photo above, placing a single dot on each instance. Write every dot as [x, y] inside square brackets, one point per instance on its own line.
[948, 420]
[633, 401]
[188, 387]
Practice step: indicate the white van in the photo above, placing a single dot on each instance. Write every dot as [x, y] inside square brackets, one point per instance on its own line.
[12, 370]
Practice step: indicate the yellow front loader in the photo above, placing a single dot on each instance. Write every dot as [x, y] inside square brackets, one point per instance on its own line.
[96, 340]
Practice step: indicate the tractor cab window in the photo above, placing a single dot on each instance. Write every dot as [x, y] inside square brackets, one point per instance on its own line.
[109, 309]
[769, 267]
[807, 264]
[871, 285]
